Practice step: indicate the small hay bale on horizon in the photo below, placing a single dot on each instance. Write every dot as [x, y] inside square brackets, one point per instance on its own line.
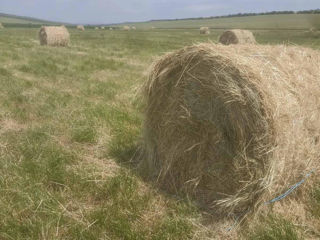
[54, 36]
[102, 28]
[126, 28]
[227, 132]
[204, 30]
[1, 26]
[133, 28]
[80, 28]
[237, 36]
[111, 28]
[96, 28]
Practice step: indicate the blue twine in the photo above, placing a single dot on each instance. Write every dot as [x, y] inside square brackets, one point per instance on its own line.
[282, 196]
[291, 189]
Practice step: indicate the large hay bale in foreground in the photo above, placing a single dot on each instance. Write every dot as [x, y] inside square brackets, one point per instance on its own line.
[126, 28]
[237, 36]
[80, 27]
[232, 127]
[54, 36]
[204, 30]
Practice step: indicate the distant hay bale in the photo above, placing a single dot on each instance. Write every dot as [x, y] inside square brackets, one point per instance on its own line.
[80, 27]
[153, 27]
[1, 26]
[126, 28]
[204, 30]
[228, 132]
[102, 28]
[111, 29]
[133, 28]
[96, 28]
[237, 36]
[54, 36]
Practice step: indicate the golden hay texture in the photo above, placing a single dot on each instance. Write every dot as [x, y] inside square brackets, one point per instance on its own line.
[237, 36]
[80, 27]
[133, 28]
[126, 28]
[54, 36]
[204, 30]
[232, 127]
[102, 28]
[1, 26]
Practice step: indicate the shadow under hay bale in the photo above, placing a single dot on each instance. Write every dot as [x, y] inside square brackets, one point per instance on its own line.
[232, 127]
[54, 36]
[204, 30]
[237, 36]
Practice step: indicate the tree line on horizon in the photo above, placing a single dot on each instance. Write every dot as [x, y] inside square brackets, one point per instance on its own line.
[314, 11]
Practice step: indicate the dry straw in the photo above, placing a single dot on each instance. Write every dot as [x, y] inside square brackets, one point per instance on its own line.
[204, 30]
[102, 28]
[232, 127]
[54, 36]
[133, 28]
[237, 36]
[96, 28]
[126, 28]
[1, 26]
[80, 27]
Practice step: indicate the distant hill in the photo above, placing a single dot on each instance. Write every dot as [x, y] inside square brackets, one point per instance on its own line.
[9, 19]
[272, 21]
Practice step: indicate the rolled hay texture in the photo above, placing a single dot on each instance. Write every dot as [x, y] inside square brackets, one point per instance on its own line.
[133, 28]
[237, 36]
[102, 28]
[110, 29]
[80, 27]
[1, 26]
[96, 28]
[204, 30]
[54, 36]
[126, 28]
[232, 127]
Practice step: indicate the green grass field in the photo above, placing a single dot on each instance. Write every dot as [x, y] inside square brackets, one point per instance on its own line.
[70, 121]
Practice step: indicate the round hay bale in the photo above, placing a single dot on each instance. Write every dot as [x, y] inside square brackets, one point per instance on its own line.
[204, 30]
[237, 36]
[80, 27]
[1, 26]
[110, 29]
[232, 127]
[54, 36]
[126, 28]
[96, 28]
[102, 28]
[133, 28]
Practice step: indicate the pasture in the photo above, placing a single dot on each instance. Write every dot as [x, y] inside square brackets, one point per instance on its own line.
[70, 123]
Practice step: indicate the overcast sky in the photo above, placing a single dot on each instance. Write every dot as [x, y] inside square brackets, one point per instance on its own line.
[113, 11]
